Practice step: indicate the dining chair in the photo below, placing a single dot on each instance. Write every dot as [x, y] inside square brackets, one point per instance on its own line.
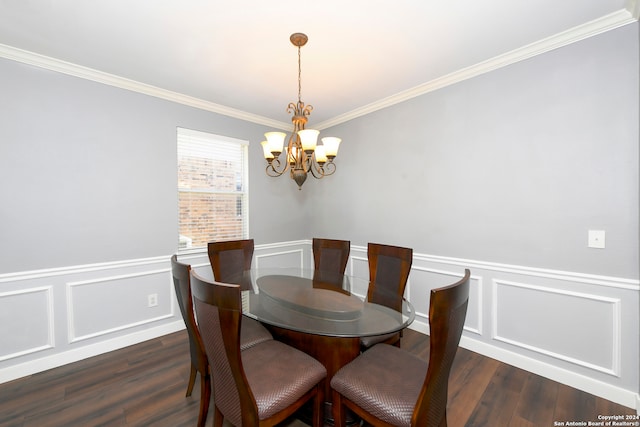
[330, 258]
[252, 333]
[389, 268]
[388, 386]
[330, 254]
[230, 260]
[262, 385]
[199, 365]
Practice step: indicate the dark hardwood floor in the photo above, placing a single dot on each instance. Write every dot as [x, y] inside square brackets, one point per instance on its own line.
[145, 384]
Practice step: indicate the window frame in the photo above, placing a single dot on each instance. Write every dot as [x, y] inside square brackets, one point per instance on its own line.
[183, 134]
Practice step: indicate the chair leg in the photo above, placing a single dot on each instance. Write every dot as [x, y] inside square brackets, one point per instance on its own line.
[192, 380]
[218, 418]
[318, 406]
[339, 413]
[205, 397]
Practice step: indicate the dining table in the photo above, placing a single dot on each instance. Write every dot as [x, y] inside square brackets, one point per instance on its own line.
[317, 312]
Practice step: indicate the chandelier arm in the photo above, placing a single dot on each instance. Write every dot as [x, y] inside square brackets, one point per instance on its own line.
[272, 168]
[316, 171]
[320, 171]
[328, 168]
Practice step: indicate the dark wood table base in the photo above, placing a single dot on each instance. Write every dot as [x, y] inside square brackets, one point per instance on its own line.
[332, 352]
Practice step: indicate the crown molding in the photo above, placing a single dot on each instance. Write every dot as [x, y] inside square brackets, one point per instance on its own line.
[581, 32]
[75, 70]
[609, 22]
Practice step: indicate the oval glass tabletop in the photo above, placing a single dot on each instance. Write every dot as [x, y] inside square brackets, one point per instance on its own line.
[316, 302]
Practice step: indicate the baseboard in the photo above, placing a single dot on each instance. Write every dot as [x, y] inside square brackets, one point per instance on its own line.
[597, 388]
[29, 368]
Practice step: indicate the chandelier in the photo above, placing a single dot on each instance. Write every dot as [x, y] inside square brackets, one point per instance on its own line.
[302, 155]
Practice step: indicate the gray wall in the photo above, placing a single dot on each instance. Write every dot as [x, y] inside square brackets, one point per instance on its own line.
[88, 172]
[513, 166]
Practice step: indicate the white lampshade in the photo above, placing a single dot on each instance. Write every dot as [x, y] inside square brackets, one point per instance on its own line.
[331, 145]
[321, 157]
[308, 138]
[276, 141]
[265, 149]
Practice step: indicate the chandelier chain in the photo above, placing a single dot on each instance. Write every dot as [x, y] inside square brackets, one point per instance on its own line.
[299, 76]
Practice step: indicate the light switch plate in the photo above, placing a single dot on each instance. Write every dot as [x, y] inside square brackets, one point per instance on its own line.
[596, 239]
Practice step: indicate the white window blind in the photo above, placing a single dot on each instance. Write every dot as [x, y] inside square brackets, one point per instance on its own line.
[212, 188]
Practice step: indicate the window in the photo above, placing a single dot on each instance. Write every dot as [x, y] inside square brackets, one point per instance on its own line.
[212, 188]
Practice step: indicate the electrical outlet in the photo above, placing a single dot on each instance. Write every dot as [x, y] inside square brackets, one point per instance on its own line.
[152, 300]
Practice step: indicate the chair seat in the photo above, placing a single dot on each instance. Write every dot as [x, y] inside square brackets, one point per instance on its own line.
[383, 382]
[252, 332]
[279, 375]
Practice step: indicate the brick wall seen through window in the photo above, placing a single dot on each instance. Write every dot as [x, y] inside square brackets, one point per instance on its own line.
[212, 188]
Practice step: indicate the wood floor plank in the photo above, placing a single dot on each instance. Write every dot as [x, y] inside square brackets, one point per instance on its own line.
[16, 403]
[145, 385]
[518, 421]
[156, 407]
[537, 401]
[499, 400]
[573, 404]
[470, 376]
[108, 398]
[17, 422]
[67, 419]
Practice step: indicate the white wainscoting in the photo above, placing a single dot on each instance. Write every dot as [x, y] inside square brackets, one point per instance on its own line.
[578, 329]
[52, 317]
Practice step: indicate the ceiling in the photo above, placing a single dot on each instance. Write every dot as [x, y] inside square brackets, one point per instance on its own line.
[235, 57]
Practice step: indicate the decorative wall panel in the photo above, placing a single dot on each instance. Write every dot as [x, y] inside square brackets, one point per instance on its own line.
[572, 326]
[108, 304]
[24, 331]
